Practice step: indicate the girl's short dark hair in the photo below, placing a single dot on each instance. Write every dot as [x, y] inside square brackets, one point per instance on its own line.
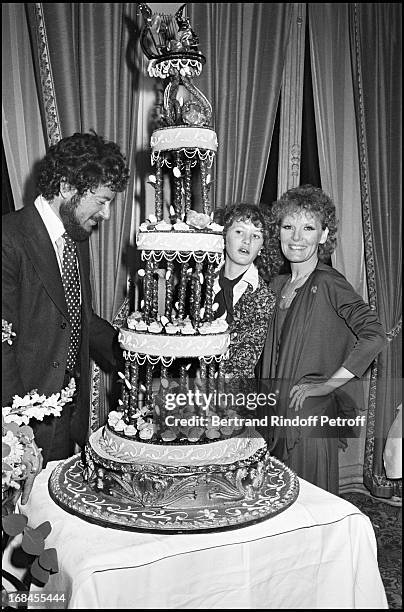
[270, 259]
[83, 161]
[313, 201]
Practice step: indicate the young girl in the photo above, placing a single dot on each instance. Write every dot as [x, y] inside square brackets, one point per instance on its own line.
[242, 295]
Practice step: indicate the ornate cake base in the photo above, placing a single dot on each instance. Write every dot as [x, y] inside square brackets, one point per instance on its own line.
[280, 488]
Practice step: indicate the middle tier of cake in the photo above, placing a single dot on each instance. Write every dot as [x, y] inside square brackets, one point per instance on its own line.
[174, 345]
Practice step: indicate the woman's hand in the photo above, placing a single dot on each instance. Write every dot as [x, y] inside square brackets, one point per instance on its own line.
[33, 469]
[302, 391]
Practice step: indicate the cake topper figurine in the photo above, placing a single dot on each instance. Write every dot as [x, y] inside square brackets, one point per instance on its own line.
[167, 34]
[171, 45]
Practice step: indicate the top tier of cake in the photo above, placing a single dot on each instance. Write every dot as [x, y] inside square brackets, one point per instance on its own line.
[183, 137]
[206, 245]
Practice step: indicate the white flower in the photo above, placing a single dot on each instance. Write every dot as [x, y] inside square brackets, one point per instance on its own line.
[13, 468]
[39, 412]
[215, 227]
[21, 402]
[19, 419]
[16, 448]
[146, 432]
[113, 417]
[130, 430]
[120, 425]
[6, 332]
[52, 401]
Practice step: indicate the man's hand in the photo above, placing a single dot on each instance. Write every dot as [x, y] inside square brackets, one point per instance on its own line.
[34, 466]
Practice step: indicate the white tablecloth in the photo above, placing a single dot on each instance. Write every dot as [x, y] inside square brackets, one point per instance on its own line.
[319, 553]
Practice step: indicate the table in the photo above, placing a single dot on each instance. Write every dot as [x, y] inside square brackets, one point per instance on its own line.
[318, 554]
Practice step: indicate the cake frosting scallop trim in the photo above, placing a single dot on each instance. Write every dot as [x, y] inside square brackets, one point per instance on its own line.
[109, 445]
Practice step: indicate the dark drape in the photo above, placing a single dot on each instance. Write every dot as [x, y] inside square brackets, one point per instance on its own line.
[375, 31]
[245, 47]
[309, 165]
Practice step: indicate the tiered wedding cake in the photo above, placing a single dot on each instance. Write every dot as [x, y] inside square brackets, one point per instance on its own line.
[152, 452]
[174, 455]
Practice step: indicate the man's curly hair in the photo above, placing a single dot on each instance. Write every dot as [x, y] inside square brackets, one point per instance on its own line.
[270, 259]
[84, 161]
[313, 201]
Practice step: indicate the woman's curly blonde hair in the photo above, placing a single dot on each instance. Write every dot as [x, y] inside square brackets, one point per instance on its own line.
[313, 201]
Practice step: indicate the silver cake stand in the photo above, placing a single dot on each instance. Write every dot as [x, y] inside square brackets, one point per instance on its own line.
[68, 489]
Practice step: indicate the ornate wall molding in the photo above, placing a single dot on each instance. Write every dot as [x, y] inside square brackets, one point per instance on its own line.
[53, 130]
[364, 172]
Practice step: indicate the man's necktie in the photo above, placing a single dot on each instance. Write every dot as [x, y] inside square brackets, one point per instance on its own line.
[71, 285]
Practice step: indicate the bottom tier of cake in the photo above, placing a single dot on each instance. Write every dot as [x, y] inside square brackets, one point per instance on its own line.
[173, 475]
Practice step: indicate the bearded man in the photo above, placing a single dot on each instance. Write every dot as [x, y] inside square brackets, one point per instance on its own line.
[46, 285]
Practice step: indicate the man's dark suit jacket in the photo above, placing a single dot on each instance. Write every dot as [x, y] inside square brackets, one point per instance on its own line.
[34, 302]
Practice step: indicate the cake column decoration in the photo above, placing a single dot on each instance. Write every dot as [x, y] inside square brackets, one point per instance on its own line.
[148, 289]
[159, 189]
[204, 188]
[178, 185]
[163, 379]
[134, 376]
[183, 289]
[149, 384]
[183, 377]
[220, 377]
[198, 279]
[191, 277]
[125, 392]
[210, 275]
[212, 375]
[187, 187]
[203, 374]
[155, 288]
[169, 289]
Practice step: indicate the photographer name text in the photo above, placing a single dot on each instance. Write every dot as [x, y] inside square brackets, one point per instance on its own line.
[267, 421]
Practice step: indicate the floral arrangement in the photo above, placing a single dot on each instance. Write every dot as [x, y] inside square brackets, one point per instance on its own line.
[17, 435]
[20, 458]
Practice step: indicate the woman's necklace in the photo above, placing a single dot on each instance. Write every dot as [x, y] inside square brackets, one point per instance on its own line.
[289, 289]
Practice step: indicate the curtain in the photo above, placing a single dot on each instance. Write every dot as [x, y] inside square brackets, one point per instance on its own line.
[22, 132]
[336, 135]
[375, 31]
[339, 171]
[245, 47]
